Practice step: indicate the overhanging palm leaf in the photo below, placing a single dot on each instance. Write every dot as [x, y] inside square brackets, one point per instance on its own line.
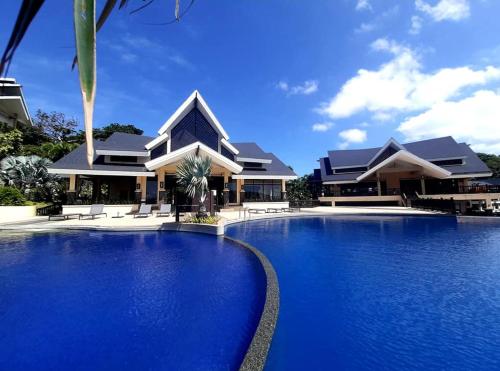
[85, 30]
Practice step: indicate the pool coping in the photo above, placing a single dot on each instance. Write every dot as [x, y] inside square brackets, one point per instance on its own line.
[256, 355]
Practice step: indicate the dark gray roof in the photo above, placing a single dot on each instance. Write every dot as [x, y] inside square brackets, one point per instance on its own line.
[77, 159]
[352, 157]
[126, 142]
[328, 176]
[431, 149]
[252, 150]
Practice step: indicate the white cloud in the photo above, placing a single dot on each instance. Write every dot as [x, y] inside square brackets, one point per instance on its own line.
[400, 85]
[322, 126]
[473, 119]
[307, 88]
[416, 25]
[379, 21]
[363, 5]
[352, 136]
[453, 10]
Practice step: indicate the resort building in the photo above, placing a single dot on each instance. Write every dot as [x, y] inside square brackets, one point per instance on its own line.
[13, 109]
[395, 173]
[135, 168]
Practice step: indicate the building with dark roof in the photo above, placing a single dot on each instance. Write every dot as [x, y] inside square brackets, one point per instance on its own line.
[397, 173]
[13, 108]
[138, 168]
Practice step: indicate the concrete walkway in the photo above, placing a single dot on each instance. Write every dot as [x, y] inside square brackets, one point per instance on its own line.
[128, 222]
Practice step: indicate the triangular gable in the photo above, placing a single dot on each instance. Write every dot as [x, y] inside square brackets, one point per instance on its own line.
[198, 148]
[194, 100]
[405, 156]
[387, 150]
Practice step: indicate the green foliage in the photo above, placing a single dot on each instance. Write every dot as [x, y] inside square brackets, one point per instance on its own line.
[50, 127]
[493, 162]
[29, 174]
[202, 220]
[10, 196]
[106, 131]
[298, 189]
[10, 142]
[192, 174]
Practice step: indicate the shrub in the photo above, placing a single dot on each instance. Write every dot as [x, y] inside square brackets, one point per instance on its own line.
[203, 220]
[10, 196]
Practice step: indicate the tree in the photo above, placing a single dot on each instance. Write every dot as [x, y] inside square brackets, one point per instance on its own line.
[85, 26]
[10, 142]
[192, 174]
[106, 131]
[492, 161]
[51, 127]
[298, 189]
[29, 174]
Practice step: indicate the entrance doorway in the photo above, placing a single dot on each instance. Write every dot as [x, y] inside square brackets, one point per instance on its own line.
[410, 187]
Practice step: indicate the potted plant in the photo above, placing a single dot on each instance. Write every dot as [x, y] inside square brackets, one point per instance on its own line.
[192, 174]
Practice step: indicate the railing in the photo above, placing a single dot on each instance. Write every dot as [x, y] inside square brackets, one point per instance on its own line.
[467, 190]
[304, 203]
[362, 192]
[264, 199]
[49, 210]
[106, 202]
[447, 206]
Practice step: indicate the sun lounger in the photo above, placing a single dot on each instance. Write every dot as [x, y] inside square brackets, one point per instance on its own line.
[95, 210]
[256, 211]
[165, 210]
[144, 211]
[63, 216]
[273, 210]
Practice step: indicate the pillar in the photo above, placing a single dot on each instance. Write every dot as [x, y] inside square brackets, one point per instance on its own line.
[242, 191]
[161, 185]
[379, 187]
[71, 193]
[140, 189]
[422, 184]
[283, 189]
[225, 191]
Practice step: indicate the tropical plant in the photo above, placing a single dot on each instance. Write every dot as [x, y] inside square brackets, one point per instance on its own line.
[85, 34]
[298, 189]
[192, 175]
[10, 142]
[29, 174]
[10, 196]
[492, 161]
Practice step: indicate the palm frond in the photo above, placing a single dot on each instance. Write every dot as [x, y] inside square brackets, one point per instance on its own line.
[105, 12]
[85, 33]
[27, 12]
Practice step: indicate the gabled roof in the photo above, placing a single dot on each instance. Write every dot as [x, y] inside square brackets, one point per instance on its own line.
[194, 100]
[407, 157]
[390, 143]
[192, 148]
[75, 162]
[272, 166]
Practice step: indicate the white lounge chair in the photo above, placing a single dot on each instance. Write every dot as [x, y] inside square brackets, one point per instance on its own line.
[144, 211]
[165, 210]
[95, 210]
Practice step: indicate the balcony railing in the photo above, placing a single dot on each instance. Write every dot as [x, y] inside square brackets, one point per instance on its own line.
[467, 190]
[362, 192]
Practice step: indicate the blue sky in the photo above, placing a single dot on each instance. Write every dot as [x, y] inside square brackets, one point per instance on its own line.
[297, 77]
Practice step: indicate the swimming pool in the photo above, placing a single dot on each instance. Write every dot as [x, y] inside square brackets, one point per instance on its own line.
[126, 301]
[392, 293]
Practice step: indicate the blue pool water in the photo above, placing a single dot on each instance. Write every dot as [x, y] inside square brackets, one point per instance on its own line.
[391, 293]
[126, 301]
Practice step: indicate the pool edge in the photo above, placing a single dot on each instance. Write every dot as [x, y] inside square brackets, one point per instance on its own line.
[256, 355]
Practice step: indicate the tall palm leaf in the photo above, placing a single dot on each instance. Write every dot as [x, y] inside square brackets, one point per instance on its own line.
[192, 174]
[85, 30]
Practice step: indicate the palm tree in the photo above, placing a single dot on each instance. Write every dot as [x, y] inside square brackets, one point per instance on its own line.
[30, 175]
[192, 174]
[84, 17]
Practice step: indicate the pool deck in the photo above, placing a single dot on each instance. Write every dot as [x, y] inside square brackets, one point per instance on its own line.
[129, 223]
